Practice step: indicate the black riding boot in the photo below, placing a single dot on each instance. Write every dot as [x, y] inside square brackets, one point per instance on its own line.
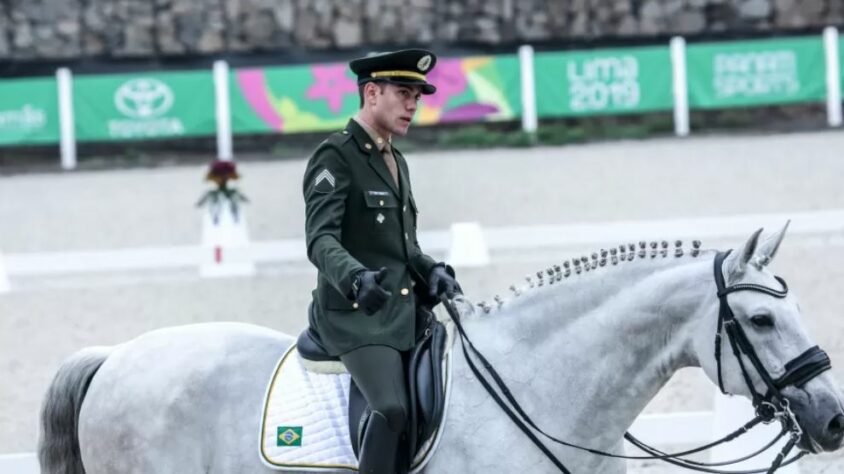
[379, 449]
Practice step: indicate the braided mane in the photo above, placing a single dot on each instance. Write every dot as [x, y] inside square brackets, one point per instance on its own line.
[582, 265]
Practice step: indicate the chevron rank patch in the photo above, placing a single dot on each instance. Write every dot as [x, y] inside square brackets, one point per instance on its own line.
[324, 182]
[289, 436]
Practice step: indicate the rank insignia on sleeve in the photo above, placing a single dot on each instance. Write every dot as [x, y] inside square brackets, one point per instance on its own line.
[324, 182]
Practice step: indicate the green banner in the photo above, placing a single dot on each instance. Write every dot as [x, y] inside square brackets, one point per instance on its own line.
[324, 96]
[752, 73]
[615, 81]
[142, 106]
[29, 111]
[841, 62]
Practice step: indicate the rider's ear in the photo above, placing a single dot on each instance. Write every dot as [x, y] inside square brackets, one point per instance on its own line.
[767, 249]
[736, 262]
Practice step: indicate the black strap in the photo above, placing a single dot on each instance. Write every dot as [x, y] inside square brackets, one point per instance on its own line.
[804, 367]
[779, 461]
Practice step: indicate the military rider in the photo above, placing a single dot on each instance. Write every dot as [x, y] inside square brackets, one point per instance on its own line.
[360, 223]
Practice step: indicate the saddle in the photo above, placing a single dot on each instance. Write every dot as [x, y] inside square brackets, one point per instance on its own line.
[426, 387]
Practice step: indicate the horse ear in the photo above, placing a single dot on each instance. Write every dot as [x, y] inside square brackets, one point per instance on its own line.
[737, 262]
[766, 251]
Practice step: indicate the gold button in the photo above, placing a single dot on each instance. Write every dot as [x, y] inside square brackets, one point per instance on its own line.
[368, 146]
[380, 140]
[345, 132]
[355, 305]
[405, 236]
[381, 202]
[405, 292]
[404, 209]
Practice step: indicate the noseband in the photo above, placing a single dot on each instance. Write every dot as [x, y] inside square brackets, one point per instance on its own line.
[798, 371]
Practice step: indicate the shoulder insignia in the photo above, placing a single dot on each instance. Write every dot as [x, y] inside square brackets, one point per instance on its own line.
[339, 138]
[324, 182]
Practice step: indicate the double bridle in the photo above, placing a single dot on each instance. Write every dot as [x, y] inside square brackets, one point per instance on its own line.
[769, 406]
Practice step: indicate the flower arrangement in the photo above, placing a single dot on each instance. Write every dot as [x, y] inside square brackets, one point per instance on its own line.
[220, 173]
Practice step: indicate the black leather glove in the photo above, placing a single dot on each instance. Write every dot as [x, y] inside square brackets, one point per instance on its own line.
[368, 292]
[441, 280]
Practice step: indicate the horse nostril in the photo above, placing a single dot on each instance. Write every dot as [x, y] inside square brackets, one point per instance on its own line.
[836, 426]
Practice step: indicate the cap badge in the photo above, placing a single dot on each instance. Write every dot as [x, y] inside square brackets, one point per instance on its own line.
[424, 63]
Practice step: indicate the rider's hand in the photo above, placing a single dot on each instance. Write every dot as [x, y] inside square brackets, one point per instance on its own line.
[441, 280]
[369, 293]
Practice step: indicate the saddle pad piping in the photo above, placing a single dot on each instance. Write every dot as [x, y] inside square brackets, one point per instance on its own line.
[264, 458]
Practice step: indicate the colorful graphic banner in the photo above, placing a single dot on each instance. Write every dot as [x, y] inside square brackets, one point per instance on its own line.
[615, 81]
[29, 111]
[752, 73]
[324, 96]
[142, 106]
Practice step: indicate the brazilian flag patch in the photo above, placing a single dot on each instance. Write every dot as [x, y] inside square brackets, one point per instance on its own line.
[289, 436]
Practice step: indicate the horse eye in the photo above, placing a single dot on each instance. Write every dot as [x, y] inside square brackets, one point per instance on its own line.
[762, 321]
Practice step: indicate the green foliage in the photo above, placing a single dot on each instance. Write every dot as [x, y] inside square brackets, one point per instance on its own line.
[559, 132]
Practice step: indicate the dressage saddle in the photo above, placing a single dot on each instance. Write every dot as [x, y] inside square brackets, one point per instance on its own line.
[426, 388]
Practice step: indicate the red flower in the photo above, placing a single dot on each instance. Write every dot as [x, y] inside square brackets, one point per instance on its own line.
[221, 171]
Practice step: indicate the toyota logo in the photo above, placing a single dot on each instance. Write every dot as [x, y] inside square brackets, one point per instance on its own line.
[143, 98]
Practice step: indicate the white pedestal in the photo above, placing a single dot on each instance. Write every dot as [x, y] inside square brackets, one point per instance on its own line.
[730, 414]
[468, 246]
[4, 277]
[225, 245]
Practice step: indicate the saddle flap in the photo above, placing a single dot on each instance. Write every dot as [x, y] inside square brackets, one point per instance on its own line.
[426, 388]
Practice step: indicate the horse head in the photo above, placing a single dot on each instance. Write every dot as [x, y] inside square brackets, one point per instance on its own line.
[789, 373]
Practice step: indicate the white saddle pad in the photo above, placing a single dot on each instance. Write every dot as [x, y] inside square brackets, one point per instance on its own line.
[305, 424]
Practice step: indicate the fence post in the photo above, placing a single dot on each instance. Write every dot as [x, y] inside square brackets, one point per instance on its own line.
[681, 88]
[833, 76]
[529, 120]
[67, 143]
[223, 110]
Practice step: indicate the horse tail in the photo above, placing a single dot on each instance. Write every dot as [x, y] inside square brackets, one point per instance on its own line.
[58, 446]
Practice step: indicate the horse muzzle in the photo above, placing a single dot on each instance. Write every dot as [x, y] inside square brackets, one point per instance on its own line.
[821, 418]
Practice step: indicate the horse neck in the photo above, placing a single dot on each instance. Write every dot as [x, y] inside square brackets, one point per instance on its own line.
[589, 352]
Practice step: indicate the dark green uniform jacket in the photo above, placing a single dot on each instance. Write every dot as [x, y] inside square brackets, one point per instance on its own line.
[357, 219]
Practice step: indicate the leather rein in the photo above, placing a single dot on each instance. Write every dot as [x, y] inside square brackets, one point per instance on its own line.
[769, 406]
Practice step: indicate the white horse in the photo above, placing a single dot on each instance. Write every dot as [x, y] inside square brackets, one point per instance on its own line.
[583, 351]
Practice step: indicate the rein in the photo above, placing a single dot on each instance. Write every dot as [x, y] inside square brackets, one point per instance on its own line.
[769, 406]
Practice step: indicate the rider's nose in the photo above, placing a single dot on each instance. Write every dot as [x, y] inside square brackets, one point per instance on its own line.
[835, 431]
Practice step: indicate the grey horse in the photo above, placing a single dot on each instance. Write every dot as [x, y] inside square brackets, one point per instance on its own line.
[584, 348]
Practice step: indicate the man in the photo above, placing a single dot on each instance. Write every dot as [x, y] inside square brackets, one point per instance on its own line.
[360, 223]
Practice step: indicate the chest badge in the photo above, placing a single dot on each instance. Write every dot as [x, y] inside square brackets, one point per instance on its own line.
[380, 218]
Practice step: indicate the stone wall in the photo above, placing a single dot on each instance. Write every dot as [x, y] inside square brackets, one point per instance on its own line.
[50, 29]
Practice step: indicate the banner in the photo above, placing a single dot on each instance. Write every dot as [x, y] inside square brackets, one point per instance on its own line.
[752, 73]
[324, 96]
[616, 81]
[29, 111]
[142, 106]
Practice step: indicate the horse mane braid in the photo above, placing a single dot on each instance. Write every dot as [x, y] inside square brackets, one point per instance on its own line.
[580, 265]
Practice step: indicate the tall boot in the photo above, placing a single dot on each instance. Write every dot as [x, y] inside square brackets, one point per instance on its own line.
[379, 449]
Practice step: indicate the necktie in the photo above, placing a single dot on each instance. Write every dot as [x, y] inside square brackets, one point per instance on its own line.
[390, 161]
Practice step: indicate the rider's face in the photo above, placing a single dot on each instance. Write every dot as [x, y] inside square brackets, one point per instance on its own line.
[393, 106]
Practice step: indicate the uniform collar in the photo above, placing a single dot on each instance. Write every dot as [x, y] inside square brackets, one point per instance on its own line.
[379, 141]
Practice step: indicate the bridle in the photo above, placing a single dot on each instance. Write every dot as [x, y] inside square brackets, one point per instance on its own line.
[769, 406]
